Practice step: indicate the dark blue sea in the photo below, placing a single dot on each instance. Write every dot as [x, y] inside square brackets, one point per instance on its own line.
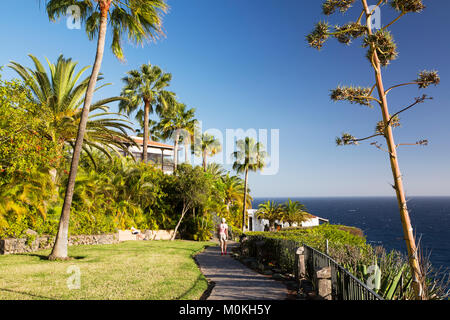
[379, 218]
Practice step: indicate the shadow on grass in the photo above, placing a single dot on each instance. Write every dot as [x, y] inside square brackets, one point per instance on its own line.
[27, 294]
[45, 256]
[205, 294]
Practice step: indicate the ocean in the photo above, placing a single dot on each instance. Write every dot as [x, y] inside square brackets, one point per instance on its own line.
[379, 218]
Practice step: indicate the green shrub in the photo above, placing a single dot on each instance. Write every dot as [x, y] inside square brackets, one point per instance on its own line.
[279, 247]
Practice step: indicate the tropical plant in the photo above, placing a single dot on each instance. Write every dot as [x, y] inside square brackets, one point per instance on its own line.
[382, 50]
[24, 199]
[270, 211]
[293, 212]
[216, 170]
[145, 87]
[234, 191]
[140, 20]
[209, 146]
[193, 189]
[23, 147]
[56, 99]
[249, 156]
[176, 124]
[154, 133]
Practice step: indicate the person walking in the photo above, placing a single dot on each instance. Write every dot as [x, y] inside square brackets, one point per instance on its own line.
[223, 236]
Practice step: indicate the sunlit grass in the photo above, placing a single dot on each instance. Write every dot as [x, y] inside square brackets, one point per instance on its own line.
[149, 270]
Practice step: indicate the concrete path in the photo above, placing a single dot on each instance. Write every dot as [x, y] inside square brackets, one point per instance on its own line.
[234, 281]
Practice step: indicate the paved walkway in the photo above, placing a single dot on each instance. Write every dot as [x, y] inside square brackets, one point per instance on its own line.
[234, 281]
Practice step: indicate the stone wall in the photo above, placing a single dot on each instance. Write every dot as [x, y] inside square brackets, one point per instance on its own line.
[158, 235]
[33, 242]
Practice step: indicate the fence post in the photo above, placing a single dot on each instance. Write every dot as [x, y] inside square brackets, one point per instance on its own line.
[300, 270]
[323, 277]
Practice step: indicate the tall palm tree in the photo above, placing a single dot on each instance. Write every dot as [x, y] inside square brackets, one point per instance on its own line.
[141, 21]
[174, 123]
[210, 146]
[188, 139]
[154, 133]
[250, 156]
[293, 212]
[234, 188]
[271, 211]
[145, 87]
[59, 96]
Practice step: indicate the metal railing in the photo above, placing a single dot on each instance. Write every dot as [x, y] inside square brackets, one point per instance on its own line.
[345, 286]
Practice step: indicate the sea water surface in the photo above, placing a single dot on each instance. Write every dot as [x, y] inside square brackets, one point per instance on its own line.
[379, 218]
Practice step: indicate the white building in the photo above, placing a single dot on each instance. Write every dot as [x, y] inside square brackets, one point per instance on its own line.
[160, 154]
[257, 224]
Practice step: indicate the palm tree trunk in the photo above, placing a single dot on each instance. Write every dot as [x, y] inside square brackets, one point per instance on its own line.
[146, 137]
[175, 151]
[62, 237]
[204, 160]
[398, 182]
[244, 205]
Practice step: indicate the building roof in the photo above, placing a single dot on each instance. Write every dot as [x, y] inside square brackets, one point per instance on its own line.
[140, 141]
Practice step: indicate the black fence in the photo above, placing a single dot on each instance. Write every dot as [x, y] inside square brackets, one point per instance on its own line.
[345, 286]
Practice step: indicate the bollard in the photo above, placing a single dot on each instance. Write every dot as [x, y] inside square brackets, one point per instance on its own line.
[324, 289]
[300, 270]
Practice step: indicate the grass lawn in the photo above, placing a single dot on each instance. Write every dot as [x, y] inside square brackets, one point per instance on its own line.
[150, 270]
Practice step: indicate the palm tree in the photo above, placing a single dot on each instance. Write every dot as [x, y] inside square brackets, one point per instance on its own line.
[154, 133]
[271, 211]
[145, 87]
[249, 156]
[140, 20]
[188, 139]
[234, 188]
[216, 170]
[293, 212]
[59, 96]
[174, 123]
[210, 146]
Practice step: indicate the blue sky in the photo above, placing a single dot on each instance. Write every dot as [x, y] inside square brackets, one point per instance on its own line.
[245, 64]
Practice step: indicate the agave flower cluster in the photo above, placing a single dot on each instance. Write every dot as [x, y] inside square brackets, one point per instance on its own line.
[319, 35]
[381, 126]
[427, 78]
[346, 139]
[384, 44]
[408, 5]
[330, 6]
[346, 33]
[359, 95]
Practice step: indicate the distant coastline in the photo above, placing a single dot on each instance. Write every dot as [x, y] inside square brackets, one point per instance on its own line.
[379, 218]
